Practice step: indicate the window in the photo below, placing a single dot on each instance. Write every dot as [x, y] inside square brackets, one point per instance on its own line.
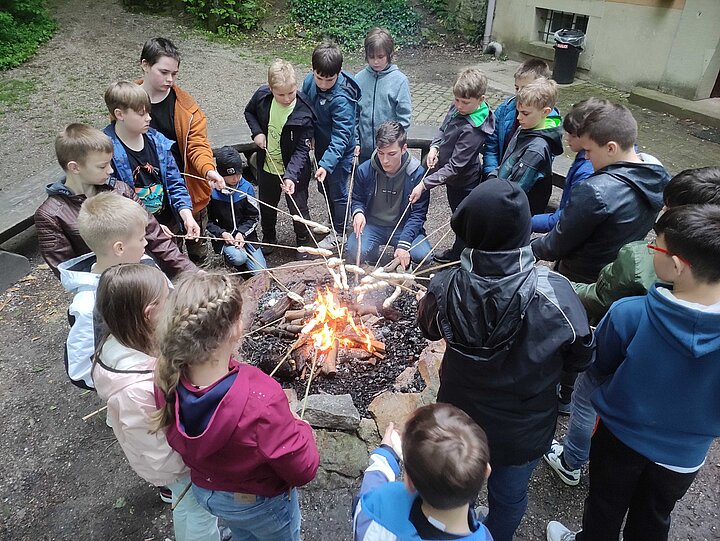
[551, 21]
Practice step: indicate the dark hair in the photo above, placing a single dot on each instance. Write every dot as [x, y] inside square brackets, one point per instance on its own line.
[379, 40]
[610, 122]
[693, 187]
[692, 232]
[389, 132]
[446, 455]
[576, 117]
[534, 67]
[155, 48]
[327, 59]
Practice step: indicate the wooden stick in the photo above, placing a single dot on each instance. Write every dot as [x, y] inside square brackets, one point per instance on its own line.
[278, 320]
[229, 188]
[377, 263]
[348, 204]
[433, 269]
[299, 342]
[295, 266]
[428, 254]
[246, 242]
[99, 410]
[310, 378]
[182, 495]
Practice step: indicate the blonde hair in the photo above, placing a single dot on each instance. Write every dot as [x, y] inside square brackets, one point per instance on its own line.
[539, 94]
[109, 217]
[77, 141]
[126, 95]
[471, 83]
[199, 318]
[281, 73]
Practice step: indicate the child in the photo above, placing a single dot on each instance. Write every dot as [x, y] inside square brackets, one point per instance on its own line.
[616, 205]
[580, 169]
[334, 95]
[281, 121]
[506, 114]
[529, 155]
[385, 91]
[114, 228]
[446, 464]
[85, 154]
[142, 159]
[379, 201]
[511, 328]
[229, 421]
[130, 299]
[658, 364]
[176, 115]
[233, 216]
[454, 154]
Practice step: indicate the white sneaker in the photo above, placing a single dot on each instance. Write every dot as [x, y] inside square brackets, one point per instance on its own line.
[554, 459]
[328, 243]
[557, 532]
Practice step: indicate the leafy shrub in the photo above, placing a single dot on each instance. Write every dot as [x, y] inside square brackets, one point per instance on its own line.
[24, 25]
[347, 21]
[227, 16]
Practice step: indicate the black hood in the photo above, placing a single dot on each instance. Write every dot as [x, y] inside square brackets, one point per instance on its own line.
[553, 136]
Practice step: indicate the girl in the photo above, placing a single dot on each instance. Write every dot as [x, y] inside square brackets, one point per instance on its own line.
[130, 299]
[230, 422]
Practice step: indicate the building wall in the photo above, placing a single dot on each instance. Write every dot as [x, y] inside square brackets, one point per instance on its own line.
[671, 45]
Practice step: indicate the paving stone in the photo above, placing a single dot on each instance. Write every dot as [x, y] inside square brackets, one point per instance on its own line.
[332, 411]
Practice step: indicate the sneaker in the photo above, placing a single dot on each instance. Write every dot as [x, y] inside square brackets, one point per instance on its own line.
[445, 257]
[328, 243]
[557, 532]
[554, 459]
[108, 421]
[166, 494]
[272, 239]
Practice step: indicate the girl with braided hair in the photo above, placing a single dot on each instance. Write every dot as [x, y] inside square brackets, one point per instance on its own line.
[130, 298]
[230, 422]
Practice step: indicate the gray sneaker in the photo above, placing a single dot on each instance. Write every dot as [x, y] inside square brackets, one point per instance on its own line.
[554, 459]
[328, 243]
[557, 532]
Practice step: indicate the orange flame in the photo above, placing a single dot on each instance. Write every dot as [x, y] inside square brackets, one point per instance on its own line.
[330, 321]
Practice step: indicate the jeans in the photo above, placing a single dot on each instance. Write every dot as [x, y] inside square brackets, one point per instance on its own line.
[270, 192]
[375, 235]
[455, 196]
[576, 447]
[264, 519]
[507, 498]
[191, 522]
[622, 480]
[237, 257]
[336, 187]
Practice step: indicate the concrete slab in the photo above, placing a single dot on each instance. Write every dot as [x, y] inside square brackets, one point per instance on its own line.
[705, 112]
[13, 267]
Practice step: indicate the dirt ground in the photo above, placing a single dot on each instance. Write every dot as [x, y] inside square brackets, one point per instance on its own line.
[63, 478]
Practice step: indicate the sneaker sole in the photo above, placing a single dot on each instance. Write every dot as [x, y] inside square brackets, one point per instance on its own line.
[569, 481]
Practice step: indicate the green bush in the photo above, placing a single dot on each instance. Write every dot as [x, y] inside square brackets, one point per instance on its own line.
[227, 16]
[347, 21]
[24, 25]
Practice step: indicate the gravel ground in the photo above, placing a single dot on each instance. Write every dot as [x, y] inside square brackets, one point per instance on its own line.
[62, 478]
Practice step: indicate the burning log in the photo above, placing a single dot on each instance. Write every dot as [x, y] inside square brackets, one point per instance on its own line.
[370, 309]
[281, 306]
[329, 364]
[292, 315]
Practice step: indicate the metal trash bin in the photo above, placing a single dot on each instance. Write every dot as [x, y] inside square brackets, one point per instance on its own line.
[568, 44]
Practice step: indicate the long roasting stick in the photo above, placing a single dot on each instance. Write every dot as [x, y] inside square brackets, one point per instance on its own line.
[377, 263]
[348, 203]
[428, 254]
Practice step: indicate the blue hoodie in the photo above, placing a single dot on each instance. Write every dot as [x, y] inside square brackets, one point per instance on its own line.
[663, 359]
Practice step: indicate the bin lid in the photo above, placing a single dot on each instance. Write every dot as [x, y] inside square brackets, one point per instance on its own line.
[576, 38]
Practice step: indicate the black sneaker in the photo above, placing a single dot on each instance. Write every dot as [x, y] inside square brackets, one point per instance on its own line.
[445, 257]
[270, 239]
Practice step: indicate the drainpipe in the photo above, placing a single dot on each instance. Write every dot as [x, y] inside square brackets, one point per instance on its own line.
[489, 22]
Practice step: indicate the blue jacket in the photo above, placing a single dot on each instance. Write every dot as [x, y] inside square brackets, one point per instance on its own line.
[383, 507]
[580, 169]
[385, 96]
[497, 141]
[662, 363]
[175, 187]
[365, 190]
[336, 112]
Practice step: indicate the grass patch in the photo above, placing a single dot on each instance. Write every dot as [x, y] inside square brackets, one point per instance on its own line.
[15, 92]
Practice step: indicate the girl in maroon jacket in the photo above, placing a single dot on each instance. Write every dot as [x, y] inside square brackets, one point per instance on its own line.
[229, 421]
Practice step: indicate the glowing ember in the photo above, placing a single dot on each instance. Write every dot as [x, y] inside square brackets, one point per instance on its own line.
[331, 321]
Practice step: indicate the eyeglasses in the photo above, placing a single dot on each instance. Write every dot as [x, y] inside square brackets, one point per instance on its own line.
[653, 247]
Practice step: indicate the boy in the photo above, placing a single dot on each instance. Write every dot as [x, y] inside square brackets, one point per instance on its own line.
[382, 187]
[506, 114]
[234, 216]
[616, 205]
[631, 274]
[580, 170]
[511, 329]
[142, 158]
[454, 154]
[538, 139]
[281, 122]
[114, 228]
[334, 95]
[442, 480]
[176, 115]
[385, 91]
[85, 154]
[663, 351]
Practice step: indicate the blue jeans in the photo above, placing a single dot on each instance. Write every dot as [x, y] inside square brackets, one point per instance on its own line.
[191, 522]
[336, 184]
[576, 447]
[265, 519]
[375, 235]
[237, 257]
[507, 499]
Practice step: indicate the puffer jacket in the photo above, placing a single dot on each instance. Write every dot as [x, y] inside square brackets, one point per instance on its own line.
[498, 140]
[511, 329]
[616, 205]
[124, 379]
[60, 240]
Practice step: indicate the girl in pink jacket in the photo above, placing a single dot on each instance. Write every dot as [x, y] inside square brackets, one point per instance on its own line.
[130, 299]
[229, 421]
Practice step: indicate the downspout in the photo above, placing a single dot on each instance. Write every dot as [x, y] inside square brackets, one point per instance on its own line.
[488, 23]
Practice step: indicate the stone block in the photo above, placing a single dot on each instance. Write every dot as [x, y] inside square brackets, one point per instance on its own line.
[405, 378]
[390, 407]
[429, 368]
[343, 458]
[337, 412]
[368, 432]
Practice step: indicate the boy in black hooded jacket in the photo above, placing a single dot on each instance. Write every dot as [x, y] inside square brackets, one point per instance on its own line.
[511, 328]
